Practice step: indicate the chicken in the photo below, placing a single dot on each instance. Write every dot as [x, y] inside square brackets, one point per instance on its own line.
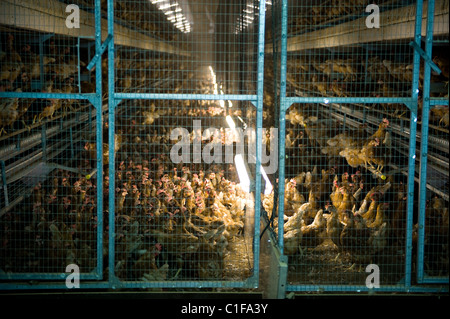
[32, 62]
[150, 115]
[8, 112]
[321, 188]
[401, 71]
[440, 113]
[362, 242]
[49, 109]
[354, 237]
[373, 150]
[380, 216]
[62, 247]
[10, 63]
[443, 64]
[334, 226]
[380, 189]
[371, 212]
[91, 148]
[321, 86]
[292, 240]
[293, 198]
[346, 204]
[292, 231]
[314, 234]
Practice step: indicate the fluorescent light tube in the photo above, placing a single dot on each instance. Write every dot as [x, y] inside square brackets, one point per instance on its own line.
[242, 173]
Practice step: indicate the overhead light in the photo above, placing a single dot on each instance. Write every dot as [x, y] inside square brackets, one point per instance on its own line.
[158, 1]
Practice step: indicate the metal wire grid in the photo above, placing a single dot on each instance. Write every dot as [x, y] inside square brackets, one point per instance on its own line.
[187, 233]
[198, 34]
[333, 247]
[332, 49]
[49, 201]
[333, 46]
[177, 221]
[50, 120]
[432, 223]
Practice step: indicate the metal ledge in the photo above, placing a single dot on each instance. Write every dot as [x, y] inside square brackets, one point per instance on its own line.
[50, 17]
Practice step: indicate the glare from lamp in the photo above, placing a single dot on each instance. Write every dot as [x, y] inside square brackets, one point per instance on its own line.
[242, 173]
[230, 122]
[269, 186]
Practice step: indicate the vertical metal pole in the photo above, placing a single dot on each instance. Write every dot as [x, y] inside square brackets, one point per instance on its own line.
[41, 60]
[282, 125]
[259, 109]
[99, 135]
[78, 55]
[5, 186]
[412, 147]
[72, 150]
[424, 144]
[111, 110]
[44, 142]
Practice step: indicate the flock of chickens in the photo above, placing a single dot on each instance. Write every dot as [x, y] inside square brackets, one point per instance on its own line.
[352, 204]
[20, 67]
[376, 77]
[172, 221]
[178, 221]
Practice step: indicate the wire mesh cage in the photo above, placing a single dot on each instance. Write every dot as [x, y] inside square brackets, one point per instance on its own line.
[178, 36]
[431, 228]
[181, 211]
[50, 125]
[342, 81]
[185, 155]
[340, 213]
[140, 141]
[337, 48]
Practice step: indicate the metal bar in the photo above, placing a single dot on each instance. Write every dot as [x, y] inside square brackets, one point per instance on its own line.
[111, 124]
[424, 151]
[5, 186]
[39, 95]
[162, 96]
[99, 138]
[412, 147]
[363, 288]
[423, 54]
[99, 53]
[360, 100]
[284, 105]
[259, 109]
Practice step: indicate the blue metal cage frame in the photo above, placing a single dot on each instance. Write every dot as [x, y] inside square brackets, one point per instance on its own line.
[13, 281]
[96, 279]
[286, 101]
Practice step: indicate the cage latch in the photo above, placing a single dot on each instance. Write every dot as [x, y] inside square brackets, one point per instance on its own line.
[99, 54]
[425, 57]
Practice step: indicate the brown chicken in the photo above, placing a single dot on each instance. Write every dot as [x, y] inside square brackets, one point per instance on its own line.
[292, 232]
[32, 64]
[334, 226]
[10, 63]
[8, 112]
[360, 241]
[380, 190]
[373, 150]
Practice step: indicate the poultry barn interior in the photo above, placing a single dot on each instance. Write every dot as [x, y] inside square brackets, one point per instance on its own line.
[272, 148]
